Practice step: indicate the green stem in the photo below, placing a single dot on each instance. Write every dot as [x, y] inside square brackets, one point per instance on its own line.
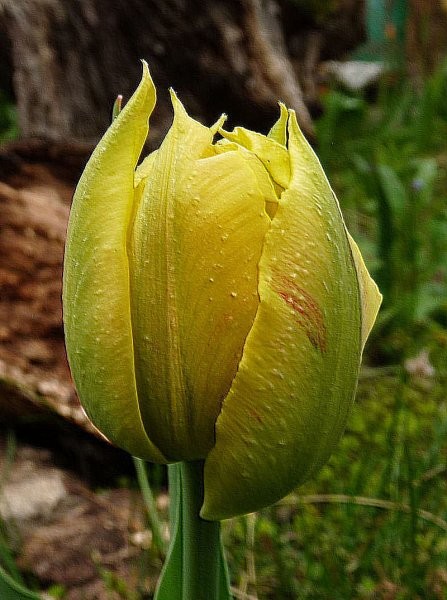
[201, 539]
[195, 567]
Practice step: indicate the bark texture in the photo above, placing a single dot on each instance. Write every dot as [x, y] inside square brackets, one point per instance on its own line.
[69, 59]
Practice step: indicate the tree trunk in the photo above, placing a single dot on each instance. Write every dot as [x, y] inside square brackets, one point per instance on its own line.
[70, 59]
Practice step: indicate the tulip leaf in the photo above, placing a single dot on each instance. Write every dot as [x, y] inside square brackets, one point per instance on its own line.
[394, 193]
[11, 590]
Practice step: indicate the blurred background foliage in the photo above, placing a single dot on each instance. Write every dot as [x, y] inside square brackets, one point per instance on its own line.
[386, 159]
[373, 524]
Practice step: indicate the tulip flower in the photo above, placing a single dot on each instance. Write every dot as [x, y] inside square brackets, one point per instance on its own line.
[216, 307]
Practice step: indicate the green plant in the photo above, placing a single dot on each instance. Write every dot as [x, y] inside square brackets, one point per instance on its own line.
[387, 161]
[237, 363]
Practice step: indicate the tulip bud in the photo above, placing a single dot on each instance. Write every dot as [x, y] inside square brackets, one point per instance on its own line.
[215, 306]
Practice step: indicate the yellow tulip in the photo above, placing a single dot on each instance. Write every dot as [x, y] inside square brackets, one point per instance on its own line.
[215, 306]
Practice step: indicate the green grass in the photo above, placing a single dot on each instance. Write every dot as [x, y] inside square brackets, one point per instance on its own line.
[387, 161]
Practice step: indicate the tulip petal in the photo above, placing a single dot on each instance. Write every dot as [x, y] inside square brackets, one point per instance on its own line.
[144, 169]
[295, 384]
[194, 253]
[96, 280]
[279, 130]
[272, 154]
[370, 296]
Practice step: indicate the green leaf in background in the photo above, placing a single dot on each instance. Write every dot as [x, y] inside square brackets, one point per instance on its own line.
[424, 180]
[11, 590]
[393, 192]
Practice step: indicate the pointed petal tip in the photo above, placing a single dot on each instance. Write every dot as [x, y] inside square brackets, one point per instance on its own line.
[293, 123]
[146, 78]
[371, 303]
[278, 132]
[177, 105]
[283, 110]
[217, 127]
[173, 96]
[294, 126]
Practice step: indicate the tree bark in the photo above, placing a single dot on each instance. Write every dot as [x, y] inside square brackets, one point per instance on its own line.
[70, 59]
